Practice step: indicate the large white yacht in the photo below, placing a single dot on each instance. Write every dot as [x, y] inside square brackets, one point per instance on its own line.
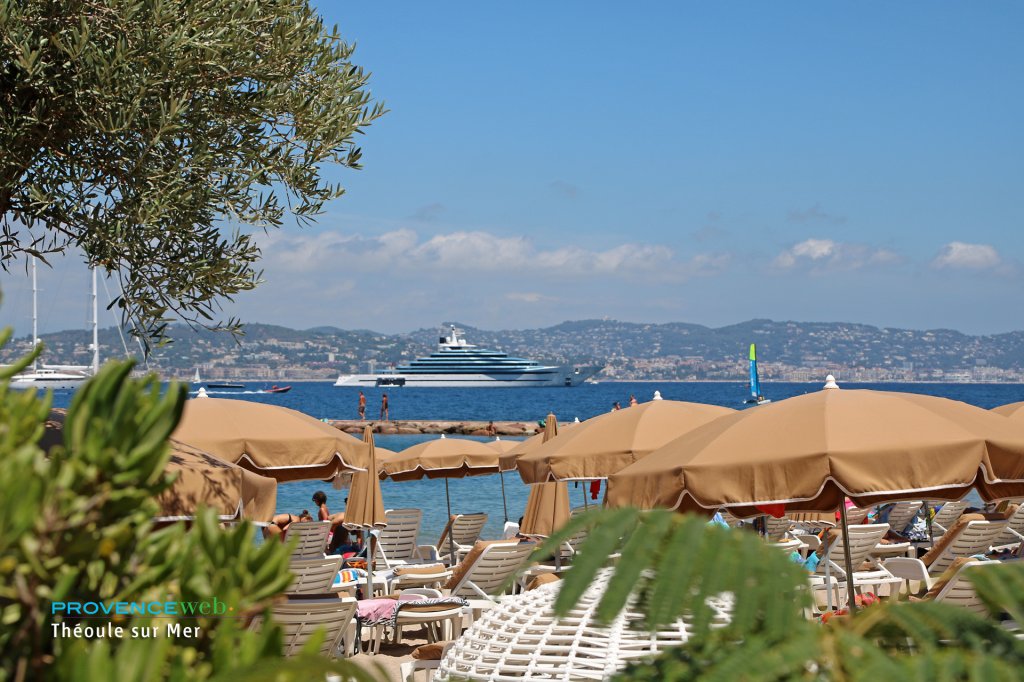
[58, 377]
[460, 364]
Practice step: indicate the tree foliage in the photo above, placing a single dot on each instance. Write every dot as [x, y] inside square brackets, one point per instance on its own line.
[675, 563]
[147, 132]
[77, 526]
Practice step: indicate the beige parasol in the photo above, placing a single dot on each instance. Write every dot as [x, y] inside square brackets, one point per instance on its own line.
[204, 480]
[1013, 411]
[444, 458]
[365, 508]
[807, 452]
[508, 459]
[609, 442]
[201, 480]
[270, 440]
[441, 458]
[547, 507]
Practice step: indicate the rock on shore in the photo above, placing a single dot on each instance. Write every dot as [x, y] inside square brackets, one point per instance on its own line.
[414, 427]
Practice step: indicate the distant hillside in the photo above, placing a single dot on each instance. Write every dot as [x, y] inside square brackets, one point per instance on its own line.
[788, 350]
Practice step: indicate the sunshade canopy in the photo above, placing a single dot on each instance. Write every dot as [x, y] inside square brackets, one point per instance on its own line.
[204, 480]
[809, 451]
[508, 459]
[547, 507]
[201, 480]
[269, 440]
[610, 442]
[1013, 410]
[365, 508]
[441, 458]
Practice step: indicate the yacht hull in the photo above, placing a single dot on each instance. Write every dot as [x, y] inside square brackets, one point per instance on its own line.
[559, 377]
[56, 383]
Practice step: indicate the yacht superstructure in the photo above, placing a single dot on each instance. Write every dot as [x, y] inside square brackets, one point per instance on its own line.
[457, 363]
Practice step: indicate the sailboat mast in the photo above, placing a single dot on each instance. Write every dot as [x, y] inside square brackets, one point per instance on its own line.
[95, 328]
[35, 314]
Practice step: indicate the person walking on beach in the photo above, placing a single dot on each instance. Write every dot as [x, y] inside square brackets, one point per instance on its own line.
[362, 406]
[384, 407]
[491, 429]
[616, 406]
[632, 400]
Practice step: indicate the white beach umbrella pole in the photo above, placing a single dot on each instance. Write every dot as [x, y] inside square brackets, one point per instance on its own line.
[848, 561]
[828, 572]
[504, 504]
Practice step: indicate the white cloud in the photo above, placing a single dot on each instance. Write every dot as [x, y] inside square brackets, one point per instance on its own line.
[467, 251]
[529, 297]
[826, 254]
[963, 256]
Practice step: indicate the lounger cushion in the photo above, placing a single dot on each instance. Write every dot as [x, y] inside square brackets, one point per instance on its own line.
[542, 579]
[447, 529]
[428, 569]
[949, 536]
[948, 575]
[464, 566]
[429, 652]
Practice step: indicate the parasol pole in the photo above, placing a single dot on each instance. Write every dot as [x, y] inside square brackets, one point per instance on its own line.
[584, 486]
[828, 571]
[451, 540]
[371, 551]
[847, 560]
[928, 522]
[504, 504]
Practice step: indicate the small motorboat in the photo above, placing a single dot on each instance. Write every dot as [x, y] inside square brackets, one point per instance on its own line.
[277, 389]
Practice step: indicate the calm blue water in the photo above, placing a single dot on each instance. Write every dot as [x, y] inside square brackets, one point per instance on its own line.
[483, 493]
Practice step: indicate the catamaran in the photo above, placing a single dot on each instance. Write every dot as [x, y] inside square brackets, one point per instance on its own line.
[756, 398]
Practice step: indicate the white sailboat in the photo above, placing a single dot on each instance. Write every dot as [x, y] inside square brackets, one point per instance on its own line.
[59, 377]
[195, 377]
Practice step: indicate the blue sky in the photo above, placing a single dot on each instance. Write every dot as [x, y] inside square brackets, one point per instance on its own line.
[700, 162]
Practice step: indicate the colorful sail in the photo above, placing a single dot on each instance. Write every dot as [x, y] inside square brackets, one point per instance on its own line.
[755, 385]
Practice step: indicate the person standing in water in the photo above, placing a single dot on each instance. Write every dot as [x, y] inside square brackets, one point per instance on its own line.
[362, 405]
[384, 407]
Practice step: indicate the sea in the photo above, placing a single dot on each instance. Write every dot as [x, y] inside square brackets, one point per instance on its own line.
[484, 493]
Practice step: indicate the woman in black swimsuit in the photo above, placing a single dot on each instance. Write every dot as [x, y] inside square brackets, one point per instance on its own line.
[279, 524]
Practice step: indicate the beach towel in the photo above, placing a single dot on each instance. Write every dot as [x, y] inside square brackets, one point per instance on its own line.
[385, 610]
[373, 611]
[349, 575]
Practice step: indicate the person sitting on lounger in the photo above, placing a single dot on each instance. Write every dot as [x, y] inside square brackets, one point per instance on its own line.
[279, 524]
[340, 537]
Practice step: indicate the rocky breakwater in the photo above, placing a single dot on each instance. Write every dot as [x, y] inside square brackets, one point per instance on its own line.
[417, 426]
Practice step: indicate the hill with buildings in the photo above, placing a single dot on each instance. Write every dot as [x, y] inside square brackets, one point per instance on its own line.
[791, 351]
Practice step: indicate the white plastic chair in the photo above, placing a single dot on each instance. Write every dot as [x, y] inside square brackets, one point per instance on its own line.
[490, 572]
[437, 617]
[974, 537]
[959, 591]
[315, 576]
[300, 618]
[947, 516]
[396, 543]
[311, 538]
[462, 531]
